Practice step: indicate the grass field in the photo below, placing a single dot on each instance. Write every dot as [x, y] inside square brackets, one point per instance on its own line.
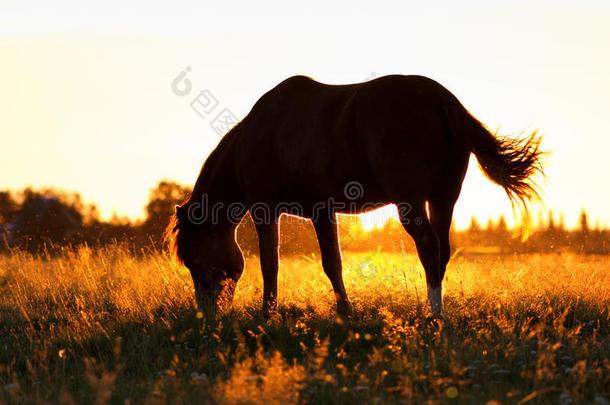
[97, 326]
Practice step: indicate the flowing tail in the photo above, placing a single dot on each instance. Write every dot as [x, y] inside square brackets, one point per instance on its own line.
[510, 163]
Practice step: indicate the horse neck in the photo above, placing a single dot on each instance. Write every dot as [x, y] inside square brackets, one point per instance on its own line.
[216, 190]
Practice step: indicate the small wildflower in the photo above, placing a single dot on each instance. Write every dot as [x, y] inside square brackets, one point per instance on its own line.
[329, 378]
[452, 392]
[199, 377]
[199, 315]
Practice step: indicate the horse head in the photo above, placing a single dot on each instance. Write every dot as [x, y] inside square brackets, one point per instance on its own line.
[211, 254]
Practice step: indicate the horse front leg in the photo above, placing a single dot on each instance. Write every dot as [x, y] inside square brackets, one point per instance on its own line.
[328, 238]
[269, 258]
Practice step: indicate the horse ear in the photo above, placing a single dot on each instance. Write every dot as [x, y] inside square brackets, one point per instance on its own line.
[181, 214]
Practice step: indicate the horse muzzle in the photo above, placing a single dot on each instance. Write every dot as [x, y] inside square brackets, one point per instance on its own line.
[217, 298]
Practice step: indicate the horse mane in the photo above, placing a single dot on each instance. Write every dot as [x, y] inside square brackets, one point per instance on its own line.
[173, 237]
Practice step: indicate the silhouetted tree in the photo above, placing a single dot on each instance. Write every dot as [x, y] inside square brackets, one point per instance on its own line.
[8, 207]
[474, 225]
[562, 224]
[551, 224]
[47, 218]
[161, 205]
[584, 222]
[502, 227]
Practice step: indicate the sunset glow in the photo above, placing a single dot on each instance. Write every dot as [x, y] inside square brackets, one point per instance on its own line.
[88, 104]
[185, 195]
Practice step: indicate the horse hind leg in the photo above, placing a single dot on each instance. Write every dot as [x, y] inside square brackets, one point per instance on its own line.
[416, 223]
[441, 213]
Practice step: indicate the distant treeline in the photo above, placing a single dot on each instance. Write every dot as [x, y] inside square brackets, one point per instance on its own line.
[50, 220]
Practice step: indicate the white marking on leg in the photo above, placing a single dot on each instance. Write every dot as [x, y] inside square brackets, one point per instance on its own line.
[435, 297]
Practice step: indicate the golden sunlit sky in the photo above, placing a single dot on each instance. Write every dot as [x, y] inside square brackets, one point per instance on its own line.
[86, 101]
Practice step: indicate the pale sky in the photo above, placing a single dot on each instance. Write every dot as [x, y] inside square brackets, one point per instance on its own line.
[86, 102]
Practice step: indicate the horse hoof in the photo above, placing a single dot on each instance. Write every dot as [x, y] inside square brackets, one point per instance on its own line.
[272, 317]
[434, 315]
[345, 310]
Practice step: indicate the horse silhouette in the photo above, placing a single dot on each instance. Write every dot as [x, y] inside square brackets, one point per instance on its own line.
[315, 150]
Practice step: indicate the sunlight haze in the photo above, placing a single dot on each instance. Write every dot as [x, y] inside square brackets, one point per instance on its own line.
[87, 102]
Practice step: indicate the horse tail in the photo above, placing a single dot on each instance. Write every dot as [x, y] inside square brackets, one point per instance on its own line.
[508, 162]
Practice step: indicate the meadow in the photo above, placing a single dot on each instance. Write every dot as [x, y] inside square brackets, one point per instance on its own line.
[105, 326]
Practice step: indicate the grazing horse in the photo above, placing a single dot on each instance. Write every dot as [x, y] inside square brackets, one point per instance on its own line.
[316, 150]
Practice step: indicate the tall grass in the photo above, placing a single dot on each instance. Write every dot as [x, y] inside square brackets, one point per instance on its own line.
[92, 326]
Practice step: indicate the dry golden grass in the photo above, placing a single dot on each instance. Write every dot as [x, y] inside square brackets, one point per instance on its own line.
[92, 326]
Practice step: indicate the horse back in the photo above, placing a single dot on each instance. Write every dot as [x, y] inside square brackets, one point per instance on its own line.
[305, 140]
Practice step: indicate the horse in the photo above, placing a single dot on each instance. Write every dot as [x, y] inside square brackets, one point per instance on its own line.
[317, 150]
